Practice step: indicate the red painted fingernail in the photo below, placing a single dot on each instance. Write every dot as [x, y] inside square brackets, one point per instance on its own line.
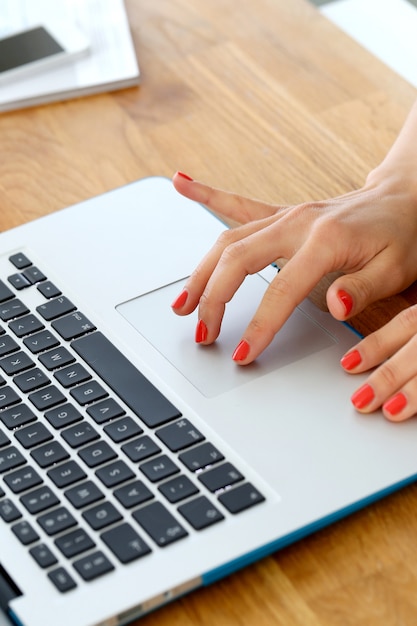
[347, 301]
[351, 360]
[363, 396]
[185, 176]
[394, 405]
[200, 332]
[180, 300]
[241, 351]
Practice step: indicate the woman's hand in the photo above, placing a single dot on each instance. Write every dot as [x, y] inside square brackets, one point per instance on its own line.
[369, 235]
[393, 385]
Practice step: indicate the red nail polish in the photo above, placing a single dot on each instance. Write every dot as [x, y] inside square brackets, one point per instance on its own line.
[363, 396]
[350, 360]
[394, 405]
[241, 351]
[346, 299]
[200, 332]
[180, 300]
[185, 176]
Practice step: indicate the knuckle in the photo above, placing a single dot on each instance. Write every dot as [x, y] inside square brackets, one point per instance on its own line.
[388, 374]
[408, 318]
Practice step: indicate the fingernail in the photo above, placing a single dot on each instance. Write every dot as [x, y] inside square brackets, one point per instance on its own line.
[185, 176]
[200, 332]
[394, 405]
[363, 396]
[346, 299]
[350, 360]
[180, 300]
[241, 351]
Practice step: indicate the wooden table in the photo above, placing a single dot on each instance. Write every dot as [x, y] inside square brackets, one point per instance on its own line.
[267, 98]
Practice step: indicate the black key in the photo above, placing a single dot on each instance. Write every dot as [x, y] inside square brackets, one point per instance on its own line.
[74, 543]
[56, 521]
[46, 398]
[41, 341]
[7, 345]
[220, 477]
[102, 515]
[61, 579]
[49, 454]
[63, 415]
[25, 533]
[200, 513]
[56, 358]
[55, 308]
[88, 392]
[17, 416]
[34, 275]
[9, 511]
[72, 375]
[79, 435]
[160, 524]
[84, 494]
[97, 454]
[179, 435]
[73, 325]
[39, 500]
[20, 260]
[4, 440]
[125, 543]
[133, 494]
[105, 410]
[93, 566]
[8, 397]
[18, 281]
[26, 325]
[22, 479]
[33, 435]
[43, 555]
[10, 458]
[5, 292]
[66, 474]
[159, 468]
[16, 363]
[12, 309]
[114, 474]
[140, 449]
[31, 380]
[201, 456]
[122, 429]
[48, 289]
[241, 498]
[178, 488]
[134, 389]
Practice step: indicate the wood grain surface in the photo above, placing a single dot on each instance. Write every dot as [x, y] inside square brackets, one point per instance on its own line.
[269, 99]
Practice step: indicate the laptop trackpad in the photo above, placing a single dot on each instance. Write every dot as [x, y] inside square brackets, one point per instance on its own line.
[210, 368]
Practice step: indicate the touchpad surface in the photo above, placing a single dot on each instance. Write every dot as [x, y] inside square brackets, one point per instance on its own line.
[211, 368]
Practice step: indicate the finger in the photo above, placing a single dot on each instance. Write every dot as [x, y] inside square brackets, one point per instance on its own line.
[229, 205]
[383, 343]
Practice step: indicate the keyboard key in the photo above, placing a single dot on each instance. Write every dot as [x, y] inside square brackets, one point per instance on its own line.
[159, 468]
[145, 400]
[26, 325]
[220, 477]
[56, 358]
[105, 410]
[8, 397]
[72, 375]
[84, 494]
[93, 566]
[160, 524]
[49, 454]
[31, 380]
[18, 281]
[88, 392]
[9, 511]
[5, 292]
[178, 489]
[63, 415]
[12, 309]
[39, 500]
[20, 260]
[34, 275]
[114, 474]
[66, 474]
[25, 533]
[122, 429]
[22, 479]
[74, 543]
[16, 363]
[102, 515]
[48, 289]
[179, 435]
[55, 308]
[7, 345]
[10, 458]
[33, 435]
[61, 579]
[46, 398]
[79, 435]
[201, 456]
[97, 454]
[4, 440]
[140, 449]
[43, 555]
[73, 325]
[56, 521]
[241, 498]
[44, 340]
[17, 416]
[133, 494]
[200, 513]
[125, 543]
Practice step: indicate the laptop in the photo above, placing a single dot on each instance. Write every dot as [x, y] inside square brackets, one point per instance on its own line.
[136, 465]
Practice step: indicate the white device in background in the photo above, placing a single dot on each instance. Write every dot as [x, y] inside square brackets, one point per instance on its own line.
[38, 48]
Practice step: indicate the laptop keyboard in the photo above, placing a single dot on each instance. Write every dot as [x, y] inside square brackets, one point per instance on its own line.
[98, 467]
